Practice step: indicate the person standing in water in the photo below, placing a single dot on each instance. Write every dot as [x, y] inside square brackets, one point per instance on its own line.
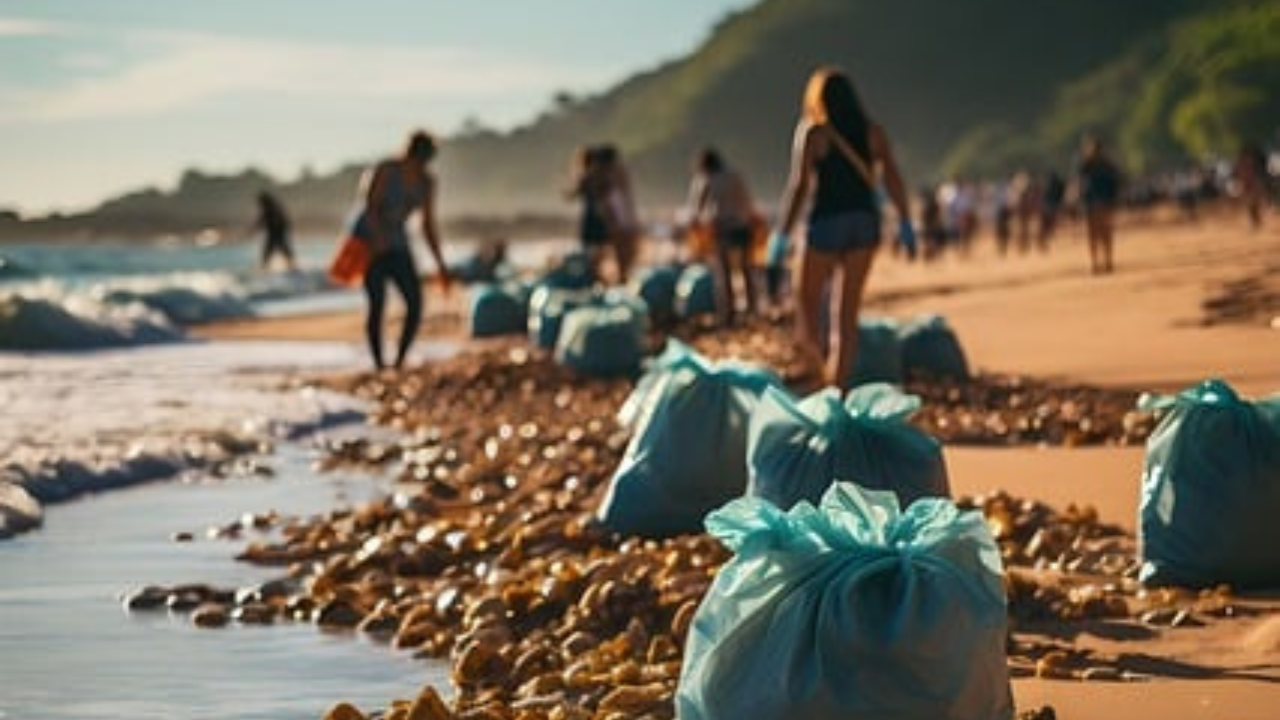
[274, 223]
[393, 190]
[839, 156]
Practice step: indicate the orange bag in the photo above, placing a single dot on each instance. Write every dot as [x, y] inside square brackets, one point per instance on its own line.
[701, 242]
[759, 240]
[351, 262]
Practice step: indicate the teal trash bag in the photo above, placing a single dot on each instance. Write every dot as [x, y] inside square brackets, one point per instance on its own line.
[572, 272]
[497, 310]
[1210, 504]
[930, 348]
[850, 610]
[547, 307]
[602, 340]
[687, 454]
[879, 352]
[657, 286]
[796, 449]
[695, 292]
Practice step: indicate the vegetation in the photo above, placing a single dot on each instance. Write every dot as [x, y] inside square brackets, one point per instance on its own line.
[974, 87]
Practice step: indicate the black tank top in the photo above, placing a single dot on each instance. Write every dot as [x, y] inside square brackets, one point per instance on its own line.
[841, 188]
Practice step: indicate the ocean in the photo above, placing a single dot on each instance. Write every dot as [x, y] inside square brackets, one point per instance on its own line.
[62, 296]
[77, 296]
[103, 387]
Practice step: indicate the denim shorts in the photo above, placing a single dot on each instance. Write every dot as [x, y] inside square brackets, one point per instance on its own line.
[842, 232]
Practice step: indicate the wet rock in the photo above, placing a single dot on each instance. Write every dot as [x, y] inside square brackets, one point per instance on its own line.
[19, 511]
[210, 615]
[344, 711]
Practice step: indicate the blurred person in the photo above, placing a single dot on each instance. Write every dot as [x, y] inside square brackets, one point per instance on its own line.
[838, 156]
[1099, 193]
[274, 223]
[393, 190]
[932, 230]
[1250, 175]
[623, 219]
[590, 185]
[720, 201]
[1055, 192]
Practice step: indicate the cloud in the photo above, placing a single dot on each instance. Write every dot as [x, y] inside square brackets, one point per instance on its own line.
[21, 27]
[186, 71]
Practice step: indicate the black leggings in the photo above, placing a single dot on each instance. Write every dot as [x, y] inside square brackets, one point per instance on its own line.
[397, 265]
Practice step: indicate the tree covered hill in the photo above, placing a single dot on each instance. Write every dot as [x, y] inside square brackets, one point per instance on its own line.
[963, 86]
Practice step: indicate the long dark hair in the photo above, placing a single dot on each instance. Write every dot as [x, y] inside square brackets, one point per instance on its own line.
[831, 98]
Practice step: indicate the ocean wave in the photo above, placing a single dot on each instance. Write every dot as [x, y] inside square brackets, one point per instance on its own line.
[134, 310]
[78, 323]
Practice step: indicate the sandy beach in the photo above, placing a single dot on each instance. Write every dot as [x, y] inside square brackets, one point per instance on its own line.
[1187, 302]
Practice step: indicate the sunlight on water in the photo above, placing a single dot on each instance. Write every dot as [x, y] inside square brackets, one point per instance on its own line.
[68, 650]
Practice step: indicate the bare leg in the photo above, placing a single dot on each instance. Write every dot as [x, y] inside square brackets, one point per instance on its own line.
[855, 267]
[745, 271]
[376, 291]
[816, 270]
[724, 282]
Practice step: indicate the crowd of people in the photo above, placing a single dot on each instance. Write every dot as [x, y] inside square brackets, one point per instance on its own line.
[843, 178]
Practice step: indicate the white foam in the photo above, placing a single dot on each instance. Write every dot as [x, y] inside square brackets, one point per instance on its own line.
[80, 422]
[132, 310]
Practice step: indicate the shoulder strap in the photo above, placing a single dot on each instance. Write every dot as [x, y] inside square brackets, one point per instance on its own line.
[852, 156]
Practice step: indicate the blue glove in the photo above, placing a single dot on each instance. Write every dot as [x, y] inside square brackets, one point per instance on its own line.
[776, 254]
[907, 238]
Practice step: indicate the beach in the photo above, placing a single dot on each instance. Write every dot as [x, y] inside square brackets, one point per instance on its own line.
[1187, 302]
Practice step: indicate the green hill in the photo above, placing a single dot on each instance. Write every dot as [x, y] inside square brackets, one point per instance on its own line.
[969, 87]
[978, 86]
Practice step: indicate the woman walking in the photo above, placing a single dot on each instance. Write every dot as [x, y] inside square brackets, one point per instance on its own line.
[839, 157]
[395, 189]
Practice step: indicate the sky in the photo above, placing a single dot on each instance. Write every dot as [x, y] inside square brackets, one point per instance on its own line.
[102, 97]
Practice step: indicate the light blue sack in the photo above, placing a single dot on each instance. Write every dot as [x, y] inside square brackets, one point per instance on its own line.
[851, 610]
[930, 347]
[497, 310]
[657, 287]
[1210, 509]
[696, 292]
[796, 449]
[573, 272]
[687, 454]
[879, 352]
[547, 307]
[603, 339]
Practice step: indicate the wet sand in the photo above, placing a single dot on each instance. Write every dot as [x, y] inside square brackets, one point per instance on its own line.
[1156, 324]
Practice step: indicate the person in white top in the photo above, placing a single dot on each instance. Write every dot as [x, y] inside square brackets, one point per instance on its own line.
[721, 203]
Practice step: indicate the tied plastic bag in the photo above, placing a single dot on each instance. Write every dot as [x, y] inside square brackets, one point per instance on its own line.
[571, 272]
[687, 454]
[1210, 508]
[603, 339]
[929, 346]
[849, 610]
[796, 449]
[657, 287]
[547, 307]
[497, 310]
[879, 352]
[696, 292]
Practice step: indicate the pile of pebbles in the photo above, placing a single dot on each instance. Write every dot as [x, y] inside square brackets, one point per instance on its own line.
[488, 554]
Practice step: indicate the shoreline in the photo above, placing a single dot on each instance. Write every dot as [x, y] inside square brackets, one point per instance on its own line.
[1040, 317]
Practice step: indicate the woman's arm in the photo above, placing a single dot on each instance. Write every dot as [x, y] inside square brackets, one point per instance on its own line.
[882, 153]
[802, 152]
[431, 230]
